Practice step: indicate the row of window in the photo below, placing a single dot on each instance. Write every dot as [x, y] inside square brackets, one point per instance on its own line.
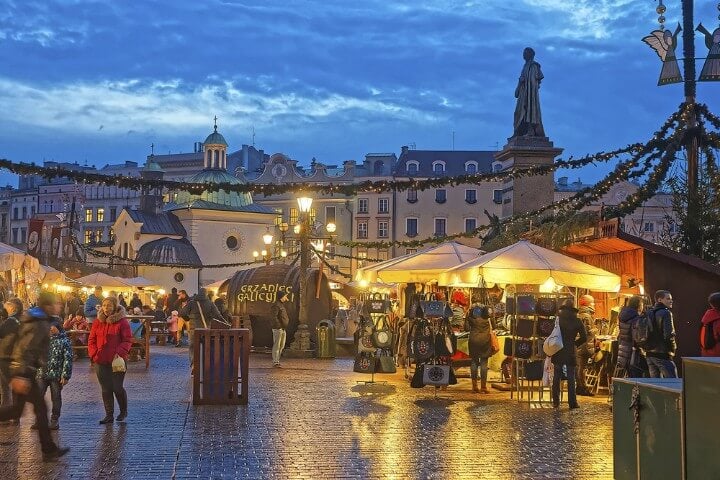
[438, 167]
[98, 214]
[363, 204]
[412, 227]
[17, 211]
[96, 235]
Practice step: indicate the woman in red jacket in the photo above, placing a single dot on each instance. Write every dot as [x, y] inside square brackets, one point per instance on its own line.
[110, 337]
[711, 320]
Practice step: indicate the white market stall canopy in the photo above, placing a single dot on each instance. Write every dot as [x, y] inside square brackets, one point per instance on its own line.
[423, 266]
[141, 282]
[12, 258]
[50, 275]
[103, 280]
[526, 263]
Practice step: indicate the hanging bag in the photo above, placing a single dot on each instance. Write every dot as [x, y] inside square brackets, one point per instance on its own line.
[118, 364]
[422, 343]
[382, 336]
[366, 343]
[377, 303]
[386, 363]
[436, 375]
[494, 342]
[364, 363]
[554, 342]
[432, 307]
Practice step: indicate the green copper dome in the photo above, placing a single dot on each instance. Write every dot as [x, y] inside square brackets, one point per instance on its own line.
[215, 200]
[215, 138]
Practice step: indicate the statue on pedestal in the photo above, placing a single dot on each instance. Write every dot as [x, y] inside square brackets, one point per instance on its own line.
[528, 120]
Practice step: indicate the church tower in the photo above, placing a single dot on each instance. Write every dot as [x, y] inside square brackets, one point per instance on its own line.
[215, 148]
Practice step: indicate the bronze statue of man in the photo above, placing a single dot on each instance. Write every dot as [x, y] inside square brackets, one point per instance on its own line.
[528, 120]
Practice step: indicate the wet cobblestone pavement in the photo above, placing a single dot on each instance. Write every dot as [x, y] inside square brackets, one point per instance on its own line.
[311, 420]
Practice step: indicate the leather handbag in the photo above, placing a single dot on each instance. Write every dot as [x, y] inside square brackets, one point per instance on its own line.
[525, 304]
[534, 370]
[523, 348]
[432, 307]
[494, 343]
[386, 363]
[377, 303]
[417, 378]
[525, 327]
[436, 375]
[422, 343]
[364, 363]
[546, 307]
[366, 331]
[382, 336]
[544, 327]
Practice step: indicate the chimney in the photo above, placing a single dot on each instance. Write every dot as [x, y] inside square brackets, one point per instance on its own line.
[403, 150]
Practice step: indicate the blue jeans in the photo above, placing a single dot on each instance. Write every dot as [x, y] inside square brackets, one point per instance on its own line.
[557, 377]
[483, 363]
[279, 336]
[661, 366]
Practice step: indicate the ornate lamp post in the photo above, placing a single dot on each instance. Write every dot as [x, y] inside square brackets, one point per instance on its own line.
[301, 342]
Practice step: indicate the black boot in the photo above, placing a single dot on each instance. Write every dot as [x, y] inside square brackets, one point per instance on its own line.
[122, 401]
[109, 404]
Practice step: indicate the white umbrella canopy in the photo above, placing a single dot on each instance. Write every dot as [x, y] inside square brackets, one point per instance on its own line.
[141, 282]
[11, 258]
[50, 275]
[103, 280]
[526, 263]
[423, 266]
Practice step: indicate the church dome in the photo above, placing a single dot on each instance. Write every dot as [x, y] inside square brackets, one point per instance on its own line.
[215, 138]
[214, 200]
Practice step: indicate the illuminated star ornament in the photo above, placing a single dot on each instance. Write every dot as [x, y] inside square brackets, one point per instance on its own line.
[664, 43]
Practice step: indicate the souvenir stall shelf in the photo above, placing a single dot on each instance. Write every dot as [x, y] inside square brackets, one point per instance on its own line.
[532, 321]
[375, 338]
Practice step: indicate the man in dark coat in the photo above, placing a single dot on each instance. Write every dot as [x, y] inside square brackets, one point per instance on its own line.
[199, 313]
[629, 314]
[279, 321]
[661, 351]
[573, 335]
[171, 302]
[29, 354]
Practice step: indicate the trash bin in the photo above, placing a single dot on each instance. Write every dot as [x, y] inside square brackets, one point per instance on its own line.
[326, 346]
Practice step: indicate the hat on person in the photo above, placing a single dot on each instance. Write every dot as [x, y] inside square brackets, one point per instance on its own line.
[586, 300]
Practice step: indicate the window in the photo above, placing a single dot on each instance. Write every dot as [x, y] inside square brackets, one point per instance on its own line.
[329, 215]
[101, 215]
[3, 220]
[383, 254]
[98, 235]
[279, 216]
[383, 205]
[179, 277]
[24, 212]
[293, 219]
[232, 243]
[411, 227]
[497, 196]
[440, 195]
[412, 195]
[88, 214]
[649, 227]
[497, 167]
[378, 167]
[32, 210]
[362, 206]
[15, 235]
[672, 227]
[412, 167]
[312, 214]
[362, 256]
[113, 214]
[438, 167]
[408, 251]
[362, 230]
[383, 227]
[88, 236]
[470, 224]
[440, 227]
[15, 214]
[471, 196]
[471, 167]
[23, 234]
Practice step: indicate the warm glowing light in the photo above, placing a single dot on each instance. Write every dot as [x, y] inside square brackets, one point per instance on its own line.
[283, 253]
[46, 285]
[268, 237]
[304, 204]
[296, 229]
[331, 227]
[263, 253]
[641, 288]
[363, 283]
[105, 294]
[256, 254]
[161, 291]
[284, 227]
[548, 286]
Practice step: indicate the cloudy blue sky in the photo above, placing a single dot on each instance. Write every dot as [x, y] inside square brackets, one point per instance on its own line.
[99, 81]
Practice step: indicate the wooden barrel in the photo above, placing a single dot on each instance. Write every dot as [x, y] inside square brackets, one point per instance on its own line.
[252, 292]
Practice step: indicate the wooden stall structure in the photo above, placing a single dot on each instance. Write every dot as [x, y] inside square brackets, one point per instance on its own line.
[646, 267]
[220, 363]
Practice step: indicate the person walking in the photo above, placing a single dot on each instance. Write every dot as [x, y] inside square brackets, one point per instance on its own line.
[92, 304]
[629, 314]
[478, 324]
[279, 322]
[171, 302]
[56, 373]
[586, 314]
[662, 346]
[29, 354]
[710, 339]
[135, 302]
[198, 313]
[573, 335]
[8, 336]
[110, 338]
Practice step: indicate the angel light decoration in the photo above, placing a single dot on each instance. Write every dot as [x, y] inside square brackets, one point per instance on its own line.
[711, 69]
[664, 43]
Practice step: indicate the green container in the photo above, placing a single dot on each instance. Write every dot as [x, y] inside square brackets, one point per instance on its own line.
[326, 345]
[702, 422]
[657, 451]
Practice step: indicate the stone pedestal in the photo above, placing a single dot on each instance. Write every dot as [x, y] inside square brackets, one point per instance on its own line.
[528, 193]
[300, 346]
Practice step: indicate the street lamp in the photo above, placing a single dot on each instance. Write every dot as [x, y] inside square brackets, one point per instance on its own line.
[301, 341]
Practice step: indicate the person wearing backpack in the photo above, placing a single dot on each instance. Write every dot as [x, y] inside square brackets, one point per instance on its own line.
[573, 336]
[662, 346]
[627, 350]
[710, 330]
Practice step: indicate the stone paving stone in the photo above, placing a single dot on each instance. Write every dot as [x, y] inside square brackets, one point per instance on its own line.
[312, 420]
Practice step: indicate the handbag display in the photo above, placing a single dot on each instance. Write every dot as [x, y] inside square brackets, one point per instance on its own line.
[554, 343]
[534, 370]
[422, 343]
[417, 379]
[525, 304]
[523, 348]
[377, 303]
[525, 327]
[365, 332]
[494, 343]
[546, 306]
[544, 327]
[386, 363]
[436, 375]
[444, 340]
[364, 363]
[382, 335]
[432, 307]
[118, 364]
